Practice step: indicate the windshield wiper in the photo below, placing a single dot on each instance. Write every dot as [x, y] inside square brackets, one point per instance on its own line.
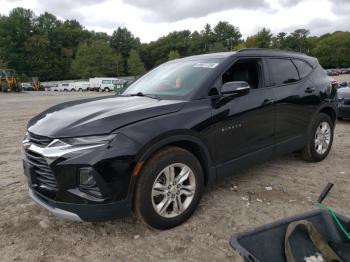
[145, 95]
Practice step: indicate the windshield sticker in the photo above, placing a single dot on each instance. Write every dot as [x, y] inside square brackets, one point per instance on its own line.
[206, 65]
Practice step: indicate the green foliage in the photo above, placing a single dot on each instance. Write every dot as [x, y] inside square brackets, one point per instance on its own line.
[173, 54]
[53, 49]
[263, 39]
[227, 34]
[123, 41]
[279, 41]
[3, 63]
[40, 46]
[216, 47]
[96, 58]
[240, 46]
[135, 64]
[333, 50]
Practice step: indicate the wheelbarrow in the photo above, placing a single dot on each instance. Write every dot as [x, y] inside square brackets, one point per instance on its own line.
[267, 243]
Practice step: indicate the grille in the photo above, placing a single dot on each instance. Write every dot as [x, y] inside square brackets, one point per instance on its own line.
[39, 140]
[43, 173]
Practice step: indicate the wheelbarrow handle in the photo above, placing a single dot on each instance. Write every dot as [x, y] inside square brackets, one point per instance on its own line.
[325, 193]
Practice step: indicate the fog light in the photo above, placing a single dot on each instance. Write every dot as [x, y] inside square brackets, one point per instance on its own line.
[86, 179]
[87, 182]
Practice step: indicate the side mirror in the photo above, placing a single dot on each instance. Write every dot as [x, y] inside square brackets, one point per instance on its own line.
[236, 87]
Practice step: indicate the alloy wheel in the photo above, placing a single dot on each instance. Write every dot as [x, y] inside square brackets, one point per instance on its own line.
[322, 138]
[173, 190]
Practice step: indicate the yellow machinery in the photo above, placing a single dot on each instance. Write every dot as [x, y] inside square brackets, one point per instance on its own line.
[36, 84]
[8, 81]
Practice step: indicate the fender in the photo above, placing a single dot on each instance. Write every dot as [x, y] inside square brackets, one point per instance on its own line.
[329, 105]
[332, 105]
[190, 137]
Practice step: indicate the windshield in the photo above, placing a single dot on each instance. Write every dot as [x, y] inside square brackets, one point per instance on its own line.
[178, 78]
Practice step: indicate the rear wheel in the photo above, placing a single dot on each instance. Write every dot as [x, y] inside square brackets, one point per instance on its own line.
[320, 139]
[80, 90]
[169, 188]
[106, 89]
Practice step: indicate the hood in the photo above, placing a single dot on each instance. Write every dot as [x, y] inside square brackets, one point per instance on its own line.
[344, 92]
[98, 115]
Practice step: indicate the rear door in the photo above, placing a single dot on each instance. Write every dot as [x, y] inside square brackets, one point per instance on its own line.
[294, 98]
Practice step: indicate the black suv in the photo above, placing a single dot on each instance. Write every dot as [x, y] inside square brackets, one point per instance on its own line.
[179, 128]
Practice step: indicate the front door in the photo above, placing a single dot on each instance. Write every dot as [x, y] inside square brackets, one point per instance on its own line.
[244, 125]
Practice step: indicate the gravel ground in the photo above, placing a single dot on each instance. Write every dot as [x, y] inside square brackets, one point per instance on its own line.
[30, 233]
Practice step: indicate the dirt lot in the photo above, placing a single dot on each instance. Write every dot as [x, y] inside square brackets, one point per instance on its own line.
[30, 233]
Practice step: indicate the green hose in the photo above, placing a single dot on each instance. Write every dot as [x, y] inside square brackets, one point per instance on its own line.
[347, 234]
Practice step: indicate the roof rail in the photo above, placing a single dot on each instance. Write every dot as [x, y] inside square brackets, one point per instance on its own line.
[268, 50]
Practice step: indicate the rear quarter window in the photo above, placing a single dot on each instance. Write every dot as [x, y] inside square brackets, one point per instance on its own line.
[282, 71]
[303, 68]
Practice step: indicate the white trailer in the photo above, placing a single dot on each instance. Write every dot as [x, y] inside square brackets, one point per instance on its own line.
[63, 87]
[81, 86]
[105, 84]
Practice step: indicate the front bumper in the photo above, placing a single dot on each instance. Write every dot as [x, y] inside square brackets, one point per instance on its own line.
[82, 212]
[57, 187]
[60, 213]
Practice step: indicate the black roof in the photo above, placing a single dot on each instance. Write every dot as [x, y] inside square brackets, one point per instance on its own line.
[211, 55]
[271, 52]
[256, 52]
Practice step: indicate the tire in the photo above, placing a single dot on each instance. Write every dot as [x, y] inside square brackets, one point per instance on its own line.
[340, 118]
[309, 152]
[106, 89]
[4, 87]
[73, 90]
[145, 204]
[80, 90]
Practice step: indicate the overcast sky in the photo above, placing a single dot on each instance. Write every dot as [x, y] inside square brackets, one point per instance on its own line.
[150, 19]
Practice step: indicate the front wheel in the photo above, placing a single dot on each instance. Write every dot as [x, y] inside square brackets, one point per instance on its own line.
[169, 188]
[320, 139]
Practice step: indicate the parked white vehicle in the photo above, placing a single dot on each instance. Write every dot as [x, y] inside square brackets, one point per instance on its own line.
[105, 84]
[65, 87]
[81, 86]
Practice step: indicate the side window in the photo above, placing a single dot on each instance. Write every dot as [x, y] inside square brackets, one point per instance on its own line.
[282, 71]
[106, 81]
[245, 70]
[303, 68]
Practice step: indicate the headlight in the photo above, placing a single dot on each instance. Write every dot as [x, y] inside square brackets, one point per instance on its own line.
[88, 140]
[60, 147]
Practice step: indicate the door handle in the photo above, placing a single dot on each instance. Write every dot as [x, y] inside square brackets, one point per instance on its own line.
[310, 90]
[267, 102]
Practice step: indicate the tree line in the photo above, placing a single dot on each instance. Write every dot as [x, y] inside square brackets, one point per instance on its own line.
[51, 49]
